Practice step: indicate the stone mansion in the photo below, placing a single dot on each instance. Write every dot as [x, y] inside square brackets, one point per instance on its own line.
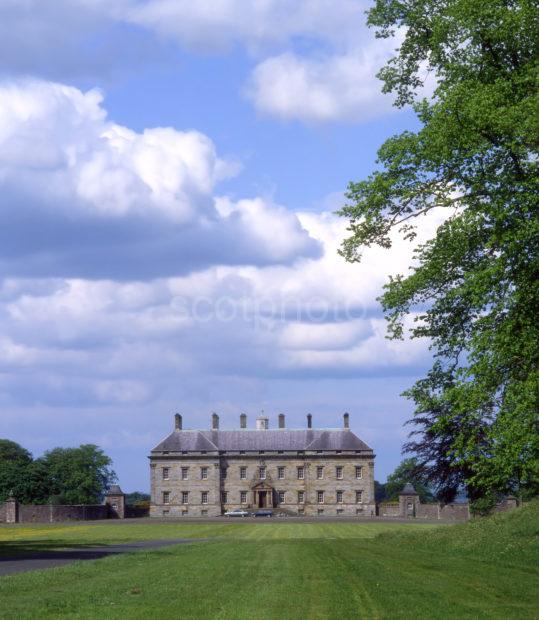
[306, 472]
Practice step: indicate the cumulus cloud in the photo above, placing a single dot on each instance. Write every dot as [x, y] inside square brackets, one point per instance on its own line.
[316, 61]
[315, 315]
[83, 196]
[334, 87]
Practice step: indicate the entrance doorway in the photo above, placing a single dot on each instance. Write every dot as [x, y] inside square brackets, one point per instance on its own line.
[262, 499]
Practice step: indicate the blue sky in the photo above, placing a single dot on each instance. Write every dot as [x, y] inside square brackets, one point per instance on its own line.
[169, 174]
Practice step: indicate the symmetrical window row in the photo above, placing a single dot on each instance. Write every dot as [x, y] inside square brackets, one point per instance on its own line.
[262, 473]
[281, 496]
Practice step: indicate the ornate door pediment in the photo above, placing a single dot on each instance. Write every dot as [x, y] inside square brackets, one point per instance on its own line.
[262, 486]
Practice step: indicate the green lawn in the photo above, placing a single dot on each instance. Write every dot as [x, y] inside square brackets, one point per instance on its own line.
[487, 569]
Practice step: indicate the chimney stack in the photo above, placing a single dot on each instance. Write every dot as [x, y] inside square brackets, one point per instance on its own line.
[214, 421]
[281, 420]
[346, 418]
[178, 422]
[243, 420]
[309, 420]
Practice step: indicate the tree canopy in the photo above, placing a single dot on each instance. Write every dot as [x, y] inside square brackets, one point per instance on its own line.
[473, 289]
[62, 475]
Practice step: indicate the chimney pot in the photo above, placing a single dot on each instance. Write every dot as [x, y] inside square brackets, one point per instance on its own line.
[214, 421]
[309, 420]
[346, 418]
[243, 420]
[178, 422]
[281, 420]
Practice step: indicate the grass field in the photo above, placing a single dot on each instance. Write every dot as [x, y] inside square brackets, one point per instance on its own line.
[484, 569]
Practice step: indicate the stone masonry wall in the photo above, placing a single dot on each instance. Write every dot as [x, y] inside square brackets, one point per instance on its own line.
[52, 514]
[233, 485]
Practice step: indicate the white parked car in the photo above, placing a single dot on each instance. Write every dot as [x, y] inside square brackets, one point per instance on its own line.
[237, 512]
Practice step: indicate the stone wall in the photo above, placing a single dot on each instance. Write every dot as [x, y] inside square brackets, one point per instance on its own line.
[410, 506]
[388, 509]
[53, 514]
[47, 513]
[225, 493]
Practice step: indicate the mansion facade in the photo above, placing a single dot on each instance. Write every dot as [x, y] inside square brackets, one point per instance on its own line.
[324, 472]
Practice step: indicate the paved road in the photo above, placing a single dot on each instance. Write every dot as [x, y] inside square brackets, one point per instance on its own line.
[50, 559]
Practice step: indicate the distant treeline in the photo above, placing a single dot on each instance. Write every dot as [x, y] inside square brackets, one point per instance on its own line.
[61, 476]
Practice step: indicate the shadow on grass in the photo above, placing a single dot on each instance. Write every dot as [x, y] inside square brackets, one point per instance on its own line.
[44, 549]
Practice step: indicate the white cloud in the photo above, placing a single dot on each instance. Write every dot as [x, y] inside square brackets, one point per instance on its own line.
[217, 23]
[93, 198]
[317, 61]
[335, 87]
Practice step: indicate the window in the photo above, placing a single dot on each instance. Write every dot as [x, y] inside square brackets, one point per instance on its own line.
[166, 471]
[166, 512]
[224, 497]
[339, 497]
[262, 473]
[243, 473]
[204, 497]
[280, 473]
[301, 473]
[166, 497]
[320, 511]
[204, 473]
[359, 497]
[359, 473]
[261, 452]
[203, 452]
[319, 472]
[203, 513]
[320, 497]
[338, 471]
[242, 451]
[223, 473]
[185, 497]
[340, 511]
[243, 497]
[185, 473]
[281, 496]
[301, 497]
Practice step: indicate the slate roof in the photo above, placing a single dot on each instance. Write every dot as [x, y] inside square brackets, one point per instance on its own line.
[114, 489]
[408, 490]
[256, 440]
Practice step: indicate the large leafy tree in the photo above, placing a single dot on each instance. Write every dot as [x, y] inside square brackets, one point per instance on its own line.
[15, 462]
[473, 289]
[20, 475]
[77, 475]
